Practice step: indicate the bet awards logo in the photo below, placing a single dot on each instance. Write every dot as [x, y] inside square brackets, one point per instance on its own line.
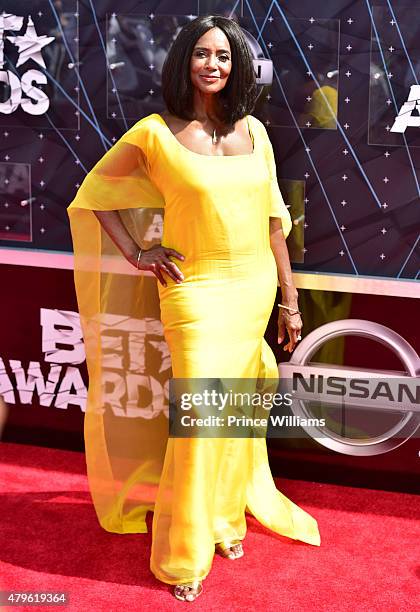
[19, 89]
[405, 117]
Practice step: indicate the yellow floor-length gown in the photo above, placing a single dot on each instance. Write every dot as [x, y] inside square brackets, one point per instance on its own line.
[216, 213]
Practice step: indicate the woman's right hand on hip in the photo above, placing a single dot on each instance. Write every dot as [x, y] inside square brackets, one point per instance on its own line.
[156, 260]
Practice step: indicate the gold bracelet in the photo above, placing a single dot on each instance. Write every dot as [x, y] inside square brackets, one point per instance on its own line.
[138, 258]
[289, 308]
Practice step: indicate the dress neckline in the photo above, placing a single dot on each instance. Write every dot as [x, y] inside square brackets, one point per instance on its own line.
[241, 155]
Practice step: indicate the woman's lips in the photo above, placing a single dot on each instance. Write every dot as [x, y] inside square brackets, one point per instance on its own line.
[208, 78]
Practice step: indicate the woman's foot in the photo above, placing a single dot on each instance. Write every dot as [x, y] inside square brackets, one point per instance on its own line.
[188, 591]
[230, 550]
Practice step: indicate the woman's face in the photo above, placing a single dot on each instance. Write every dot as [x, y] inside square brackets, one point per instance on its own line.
[211, 58]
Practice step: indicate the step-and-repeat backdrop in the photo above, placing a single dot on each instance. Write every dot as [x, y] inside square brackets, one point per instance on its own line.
[340, 97]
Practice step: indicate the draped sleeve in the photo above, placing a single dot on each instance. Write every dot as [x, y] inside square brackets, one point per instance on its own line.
[120, 179]
[277, 205]
[125, 423]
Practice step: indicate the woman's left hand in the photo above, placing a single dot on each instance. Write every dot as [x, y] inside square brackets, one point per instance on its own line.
[293, 324]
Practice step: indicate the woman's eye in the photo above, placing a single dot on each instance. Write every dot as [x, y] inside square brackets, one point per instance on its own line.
[224, 58]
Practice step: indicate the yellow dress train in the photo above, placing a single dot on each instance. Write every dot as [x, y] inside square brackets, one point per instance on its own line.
[215, 211]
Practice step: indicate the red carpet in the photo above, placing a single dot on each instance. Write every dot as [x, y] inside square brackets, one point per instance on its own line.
[368, 559]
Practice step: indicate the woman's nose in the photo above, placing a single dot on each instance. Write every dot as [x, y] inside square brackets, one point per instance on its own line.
[211, 62]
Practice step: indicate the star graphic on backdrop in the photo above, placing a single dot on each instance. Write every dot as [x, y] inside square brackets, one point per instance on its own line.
[30, 44]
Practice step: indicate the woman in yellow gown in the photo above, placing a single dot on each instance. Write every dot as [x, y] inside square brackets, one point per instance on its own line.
[216, 264]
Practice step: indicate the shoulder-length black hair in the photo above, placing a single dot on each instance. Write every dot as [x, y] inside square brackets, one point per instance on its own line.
[239, 95]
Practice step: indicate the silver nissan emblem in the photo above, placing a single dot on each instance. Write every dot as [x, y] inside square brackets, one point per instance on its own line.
[408, 415]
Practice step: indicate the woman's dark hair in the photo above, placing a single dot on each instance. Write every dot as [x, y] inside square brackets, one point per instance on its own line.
[239, 95]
